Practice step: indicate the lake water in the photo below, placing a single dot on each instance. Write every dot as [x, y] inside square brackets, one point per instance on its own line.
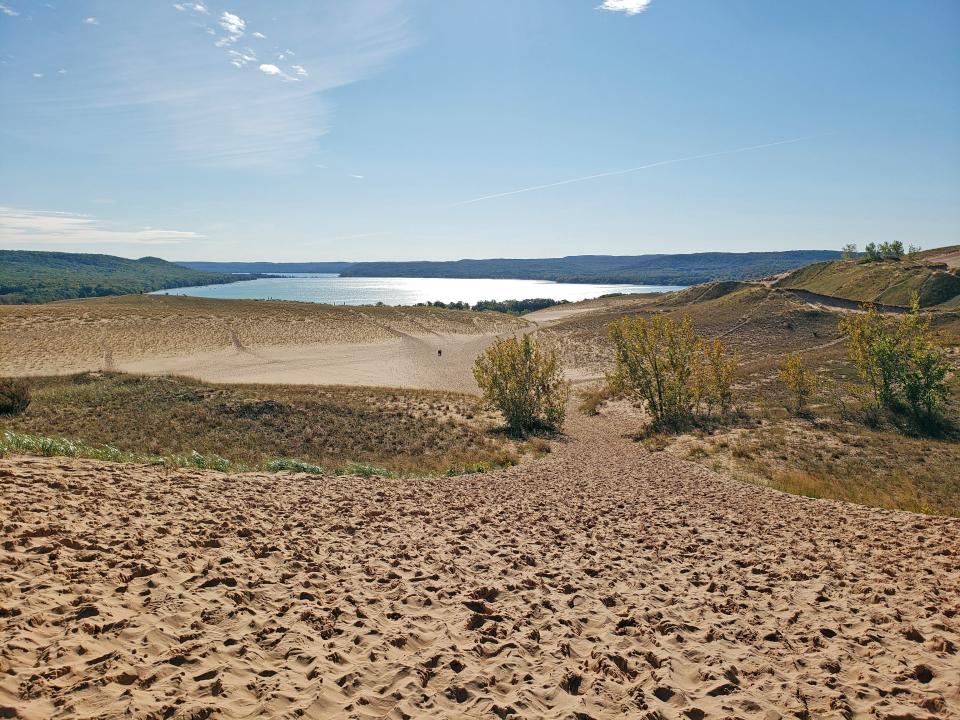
[338, 290]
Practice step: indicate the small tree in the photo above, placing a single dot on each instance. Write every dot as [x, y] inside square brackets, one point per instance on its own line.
[872, 348]
[14, 396]
[901, 362]
[924, 368]
[913, 252]
[654, 362]
[661, 362]
[524, 381]
[717, 367]
[871, 253]
[891, 250]
[849, 251]
[801, 382]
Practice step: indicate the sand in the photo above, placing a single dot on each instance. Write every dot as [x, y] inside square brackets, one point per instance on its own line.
[250, 341]
[601, 582]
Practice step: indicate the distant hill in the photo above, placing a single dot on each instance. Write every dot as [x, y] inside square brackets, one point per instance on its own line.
[28, 276]
[266, 267]
[889, 282]
[687, 269]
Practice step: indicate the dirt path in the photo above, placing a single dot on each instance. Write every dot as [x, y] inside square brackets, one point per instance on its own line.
[601, 582]
[835, 303]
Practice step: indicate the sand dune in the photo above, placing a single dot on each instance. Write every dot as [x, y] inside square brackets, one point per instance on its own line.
[249, 341]
[602, 582]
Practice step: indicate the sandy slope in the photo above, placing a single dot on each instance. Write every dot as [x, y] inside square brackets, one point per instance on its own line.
[249, 341]
[601, 582]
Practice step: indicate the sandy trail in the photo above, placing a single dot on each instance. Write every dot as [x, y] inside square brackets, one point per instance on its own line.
[601, 582]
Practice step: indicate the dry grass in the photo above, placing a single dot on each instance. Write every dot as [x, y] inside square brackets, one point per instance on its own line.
[405, 431]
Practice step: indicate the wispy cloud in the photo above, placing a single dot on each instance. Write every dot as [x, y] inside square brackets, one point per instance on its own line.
[628, 7]
[7, 10]
[91, 21]
[239, 58]
[38, 227]
[192, 7]
[612, 173]
[211, 107]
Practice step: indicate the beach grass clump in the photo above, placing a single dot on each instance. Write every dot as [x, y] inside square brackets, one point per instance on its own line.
[294, 465]
[51, 447]
[365, 470]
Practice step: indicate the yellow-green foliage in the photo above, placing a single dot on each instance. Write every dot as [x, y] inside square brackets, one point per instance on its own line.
[800, 380]
[662, 362]
[524, 381]
[714, 376]
[900, 361]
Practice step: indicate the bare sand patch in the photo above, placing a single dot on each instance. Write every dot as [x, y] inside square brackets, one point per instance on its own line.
[249, 341]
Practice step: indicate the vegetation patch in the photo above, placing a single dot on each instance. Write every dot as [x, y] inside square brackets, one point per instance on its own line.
[510, 307]
[887, 281]
[183, 422]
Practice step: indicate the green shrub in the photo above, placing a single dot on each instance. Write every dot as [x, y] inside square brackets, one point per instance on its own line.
[524, 381]
[14, 396]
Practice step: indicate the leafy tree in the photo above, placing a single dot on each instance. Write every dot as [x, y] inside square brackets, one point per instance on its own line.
[716, 370]
[801, 382]
[871, 253]
[913, 252]
[892, 250]
[872, 348]
[662, 362]
[523, 380]
[901, 362]
[849, 251]
[924, 371]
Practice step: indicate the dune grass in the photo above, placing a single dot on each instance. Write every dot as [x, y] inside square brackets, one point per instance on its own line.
[890, 282]
[187, 423]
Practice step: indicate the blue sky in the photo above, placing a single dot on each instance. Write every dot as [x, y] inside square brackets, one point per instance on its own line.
[400, 129]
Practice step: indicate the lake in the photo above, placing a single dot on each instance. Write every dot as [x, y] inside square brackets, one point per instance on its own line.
[334, 289]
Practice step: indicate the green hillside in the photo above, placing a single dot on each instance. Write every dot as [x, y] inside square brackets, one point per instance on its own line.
[890, 282]
[678, 269]
[36, 277]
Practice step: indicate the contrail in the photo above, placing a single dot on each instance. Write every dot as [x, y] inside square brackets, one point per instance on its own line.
[635, 169]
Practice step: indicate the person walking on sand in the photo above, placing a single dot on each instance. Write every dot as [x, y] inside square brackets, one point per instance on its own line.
[439, 352]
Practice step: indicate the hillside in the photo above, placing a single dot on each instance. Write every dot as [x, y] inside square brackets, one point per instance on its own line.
[37, 277]
[266, 267]
[687, 269]
[890, 282]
